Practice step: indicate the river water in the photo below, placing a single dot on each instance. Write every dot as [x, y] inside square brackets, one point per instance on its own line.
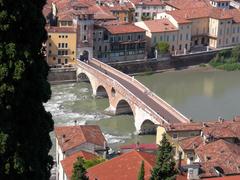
[200, 95]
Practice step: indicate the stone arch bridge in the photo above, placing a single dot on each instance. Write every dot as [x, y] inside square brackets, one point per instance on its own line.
[127, 95]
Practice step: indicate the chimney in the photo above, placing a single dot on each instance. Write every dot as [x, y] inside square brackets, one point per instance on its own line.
[220, 119]
[138, 146]
[75, 122]
[63, 138]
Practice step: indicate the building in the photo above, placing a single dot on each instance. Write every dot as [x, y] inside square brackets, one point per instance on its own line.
[147, 9]
[123, 167]
[120, 42]
[203, 147]
[210, 27]
[61, 45]
[73, 139]
[176, 34]
[68, 162]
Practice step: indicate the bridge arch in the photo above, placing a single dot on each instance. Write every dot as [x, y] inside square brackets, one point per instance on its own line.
[148, 127]
[123, 107]
[101, 92]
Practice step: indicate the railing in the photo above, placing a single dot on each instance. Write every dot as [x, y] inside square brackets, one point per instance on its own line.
[120, 87]
[143, 88]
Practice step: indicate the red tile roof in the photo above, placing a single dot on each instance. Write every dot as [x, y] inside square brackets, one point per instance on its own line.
[77, 135]
[54, 29]
[123, 29]
[123, 167]
[221, 154]
[191, 143]
[68, 162]
[236, 177]
[140, 146]
[160, 25]
[188, 4]
[101, 13]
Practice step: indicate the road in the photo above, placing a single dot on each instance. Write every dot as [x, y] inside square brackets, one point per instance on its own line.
[143, 96]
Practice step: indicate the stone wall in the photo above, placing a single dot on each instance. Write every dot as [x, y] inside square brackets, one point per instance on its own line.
[59, 75]
[175, 62]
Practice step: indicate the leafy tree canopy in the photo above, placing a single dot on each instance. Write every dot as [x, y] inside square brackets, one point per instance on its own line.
[24, 123]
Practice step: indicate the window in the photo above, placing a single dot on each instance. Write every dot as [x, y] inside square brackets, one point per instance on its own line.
[167, 38]
[62, 36]
[180, 47]
[186, 36]
[175, 135]
[59, 61]
[66, 61]
[100, 48]
[84, 38]
[233, 39]
[105, 48]
[85, 27]
[66, 45]
[59, 36]
[49, 52]
[186, 46]
[154, 39]
[172, 47]
[173, 38]
[50, 44]
[49, 36]
[59, 45]
[66, 36]
[219, 42]
[180, 37]
[63, 45]
[227, 41]
[136, 14]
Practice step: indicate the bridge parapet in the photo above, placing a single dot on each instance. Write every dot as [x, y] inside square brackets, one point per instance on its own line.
[143, 88]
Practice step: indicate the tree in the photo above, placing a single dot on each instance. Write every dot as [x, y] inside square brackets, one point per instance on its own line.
[162, 47]
[93, 162]
[236, 53]
[165, 164]
[141, 172]
[79, 171]
[24, 123]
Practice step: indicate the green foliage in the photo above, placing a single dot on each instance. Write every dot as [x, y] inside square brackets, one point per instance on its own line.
[165, 164]
[79, 171]
[202, 65]
[24, 123]
[227, 60]
[141, 172]
[145, 18]
[93, 162]
[162, 47]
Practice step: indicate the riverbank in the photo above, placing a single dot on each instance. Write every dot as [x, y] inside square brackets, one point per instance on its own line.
[194, 68]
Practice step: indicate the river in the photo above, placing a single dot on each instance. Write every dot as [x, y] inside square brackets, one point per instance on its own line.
[200, 95]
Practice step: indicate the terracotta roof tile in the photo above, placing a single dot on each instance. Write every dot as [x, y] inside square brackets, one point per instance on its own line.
[68, 162]
[191, 143]
[148, 2]
[77, 135]
[234, 177]
[123, 167]
[123, 29]
[54, 29]
[221, 154]
[160, 25]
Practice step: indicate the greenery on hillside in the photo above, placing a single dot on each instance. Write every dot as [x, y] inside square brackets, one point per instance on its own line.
[162, 47]
[228, 60]
[165, 164]
[24, 123]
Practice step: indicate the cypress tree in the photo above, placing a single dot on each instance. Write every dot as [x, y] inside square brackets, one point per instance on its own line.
[24, 123]
[165, 164]
[141, 172]
[79, 172]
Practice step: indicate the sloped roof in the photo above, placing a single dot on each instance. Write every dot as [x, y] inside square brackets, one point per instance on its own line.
[160, 25]
[123, 167]
[221, 154]
[124, 28]
[191, 143]
[72, 136]
[68, 162]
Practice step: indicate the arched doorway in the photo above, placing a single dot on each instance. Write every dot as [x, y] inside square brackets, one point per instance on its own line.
[148, 127]
[84, 56]
[123, 108]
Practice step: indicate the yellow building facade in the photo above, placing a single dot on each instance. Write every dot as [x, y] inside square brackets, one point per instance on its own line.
[61, 45]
